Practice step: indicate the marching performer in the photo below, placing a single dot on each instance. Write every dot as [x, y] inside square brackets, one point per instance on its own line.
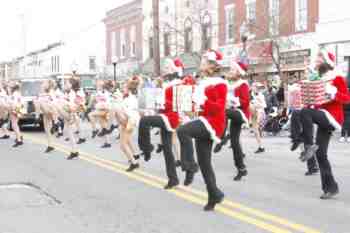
[44, 105]
[168, 120]
[210, 96]
[128, 117]
[328, 117]
[257, 106]
[16, 111]
[238, 113]
[4, 111]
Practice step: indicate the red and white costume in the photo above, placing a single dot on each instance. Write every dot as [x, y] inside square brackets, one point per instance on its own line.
[171, 119]
[239, 98]
[211, 95]
[337, 89]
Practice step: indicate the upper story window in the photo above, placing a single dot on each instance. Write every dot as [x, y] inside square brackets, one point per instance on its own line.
[274, 17]
[206, 32]
[251, 10]
[188, 35]
[133, 40]
[301, 15]
[230, 23]
[113, 44]
[122, 43]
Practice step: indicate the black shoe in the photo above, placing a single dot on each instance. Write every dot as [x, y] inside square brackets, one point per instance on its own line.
[329, 195]
[178, 163]
[189, 178]
[73, 155]
[106, 145]
[66, 139]
[260, 150]
[112, 128]
[295, 145]
[59, 135]
[54, 128]
[81, 141]
[171, 184]
[5, 137]
[94, 133]
[137, 156]
[157, 133]
[240, 174]
[77, 132]
[103, 132]
[311, 172]
[17, 144]
[132, 167]
[218, 147]
[213, 202]
[308, 153]
[49, 149]
[159, 148]
[147, 155]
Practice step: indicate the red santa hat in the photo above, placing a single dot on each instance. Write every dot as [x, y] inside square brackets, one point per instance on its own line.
[328, 58]
[213, 55]
[240, 66]
[174, 66]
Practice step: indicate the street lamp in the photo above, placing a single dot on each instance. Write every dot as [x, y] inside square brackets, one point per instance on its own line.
[114, 62]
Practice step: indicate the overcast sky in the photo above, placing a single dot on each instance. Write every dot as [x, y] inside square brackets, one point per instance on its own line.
[47, 21]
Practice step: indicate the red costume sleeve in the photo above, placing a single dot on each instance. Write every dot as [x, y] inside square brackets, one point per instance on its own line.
[244, 96]
[216, 98]
[343, 95]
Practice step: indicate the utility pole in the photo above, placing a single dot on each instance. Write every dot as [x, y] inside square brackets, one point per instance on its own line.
[156, 52]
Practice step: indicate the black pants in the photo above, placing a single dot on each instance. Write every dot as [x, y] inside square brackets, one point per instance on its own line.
[296, 132]
[235, 133]
[346, 125]
[308, 118]
[203, 142]
[145, 145]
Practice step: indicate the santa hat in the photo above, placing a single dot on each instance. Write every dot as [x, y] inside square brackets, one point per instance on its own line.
[213, 55]
[174, 66]
[240, 66]
[328, 57]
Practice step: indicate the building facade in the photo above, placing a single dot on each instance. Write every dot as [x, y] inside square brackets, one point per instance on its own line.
[124, 38]
[289, 25]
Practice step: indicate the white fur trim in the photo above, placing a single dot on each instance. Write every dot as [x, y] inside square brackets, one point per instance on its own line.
[243, 116]
[331, 120]
[212, 81]
[211, 56]
[210, 130]
[239, 68]
[167, 123]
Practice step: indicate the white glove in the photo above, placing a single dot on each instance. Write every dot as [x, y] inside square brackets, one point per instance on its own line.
[234, 101]
[331, 91]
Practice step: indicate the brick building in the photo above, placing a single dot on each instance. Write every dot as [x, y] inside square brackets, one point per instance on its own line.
[290, 24]
[124, 38]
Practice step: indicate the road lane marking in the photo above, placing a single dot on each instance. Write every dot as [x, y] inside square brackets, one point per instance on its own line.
[193, 195]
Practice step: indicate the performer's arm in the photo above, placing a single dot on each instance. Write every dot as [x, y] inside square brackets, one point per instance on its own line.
[216, 99]
[244, 96]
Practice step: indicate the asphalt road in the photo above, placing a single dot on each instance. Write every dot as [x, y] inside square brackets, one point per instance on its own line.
[95, 194]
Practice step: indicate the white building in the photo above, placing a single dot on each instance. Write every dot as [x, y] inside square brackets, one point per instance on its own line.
[187, 28]
[333, 28]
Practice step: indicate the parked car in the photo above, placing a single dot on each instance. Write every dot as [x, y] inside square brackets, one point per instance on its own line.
[30, 89]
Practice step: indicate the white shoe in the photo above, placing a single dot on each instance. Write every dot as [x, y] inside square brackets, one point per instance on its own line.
[348, 140]
[342, 139]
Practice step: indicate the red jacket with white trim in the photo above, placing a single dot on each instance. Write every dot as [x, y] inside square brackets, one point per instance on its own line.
[172, 117]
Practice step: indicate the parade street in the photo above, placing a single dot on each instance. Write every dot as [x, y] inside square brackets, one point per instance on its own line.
[42, 193]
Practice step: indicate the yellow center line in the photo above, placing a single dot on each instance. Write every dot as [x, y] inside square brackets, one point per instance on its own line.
[188, 194]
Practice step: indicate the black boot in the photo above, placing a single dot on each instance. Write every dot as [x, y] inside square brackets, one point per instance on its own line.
[260, 150]
[17, 144]
[132, 167]
[94, 133]
[240, 174]
[103, 132]
[159, 148]
[73, 155]
[5, 137]
[189, 178]
[106, 145]
[81, 141]
[49, 149]
[329, 195]
[213, 202]
[311, 172]
[171, 184]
